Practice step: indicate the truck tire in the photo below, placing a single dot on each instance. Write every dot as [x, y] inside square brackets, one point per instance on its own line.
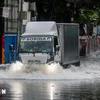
[77, 63]
[65, 66]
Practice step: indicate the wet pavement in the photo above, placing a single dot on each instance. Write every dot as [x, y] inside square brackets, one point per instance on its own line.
[50, 90]
[51, 82]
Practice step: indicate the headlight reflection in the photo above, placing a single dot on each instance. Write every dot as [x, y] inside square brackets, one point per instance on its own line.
[51, 92]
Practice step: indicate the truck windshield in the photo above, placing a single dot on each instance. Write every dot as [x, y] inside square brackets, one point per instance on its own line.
[36, 45]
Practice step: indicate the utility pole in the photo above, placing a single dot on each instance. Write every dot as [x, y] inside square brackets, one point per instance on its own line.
[19, 25]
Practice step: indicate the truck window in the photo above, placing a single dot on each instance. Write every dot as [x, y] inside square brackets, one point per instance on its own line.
[36, 45]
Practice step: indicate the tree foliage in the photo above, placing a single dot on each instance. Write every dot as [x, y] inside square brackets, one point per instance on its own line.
[89, 11]
[83, 12]
[87, 16]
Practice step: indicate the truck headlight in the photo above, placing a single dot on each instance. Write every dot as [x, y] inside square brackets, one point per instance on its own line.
[52, 68]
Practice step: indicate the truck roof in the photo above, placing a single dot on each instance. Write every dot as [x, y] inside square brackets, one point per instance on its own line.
[41, 28]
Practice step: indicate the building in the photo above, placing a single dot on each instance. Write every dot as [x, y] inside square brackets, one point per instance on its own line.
[14, 15]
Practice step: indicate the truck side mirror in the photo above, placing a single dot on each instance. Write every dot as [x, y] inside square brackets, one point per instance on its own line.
[11, 48]
[57, 47]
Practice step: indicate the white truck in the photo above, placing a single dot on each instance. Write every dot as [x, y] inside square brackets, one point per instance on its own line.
[46, 42]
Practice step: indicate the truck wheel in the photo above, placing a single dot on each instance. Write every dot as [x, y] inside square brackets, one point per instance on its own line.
[77, 63]
[65, 66]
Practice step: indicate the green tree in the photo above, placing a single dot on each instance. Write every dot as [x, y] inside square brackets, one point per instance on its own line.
[56, 10]
[87, 16]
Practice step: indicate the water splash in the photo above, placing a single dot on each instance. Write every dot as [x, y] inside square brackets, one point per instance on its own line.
[16, 67]
[89, 69]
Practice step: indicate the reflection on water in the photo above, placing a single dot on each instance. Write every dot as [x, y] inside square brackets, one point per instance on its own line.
[16, 89]
[51, 90]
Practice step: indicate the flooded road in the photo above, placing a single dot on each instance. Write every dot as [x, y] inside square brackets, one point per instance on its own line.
[51, 82]
[51, 90]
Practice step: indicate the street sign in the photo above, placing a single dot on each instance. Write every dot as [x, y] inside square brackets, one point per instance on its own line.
[5, 12]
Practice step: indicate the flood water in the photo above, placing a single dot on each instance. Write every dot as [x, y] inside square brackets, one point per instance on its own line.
[51, 82]
[51, 90]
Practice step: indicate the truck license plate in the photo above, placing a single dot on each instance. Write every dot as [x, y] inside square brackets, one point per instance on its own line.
[33, 61]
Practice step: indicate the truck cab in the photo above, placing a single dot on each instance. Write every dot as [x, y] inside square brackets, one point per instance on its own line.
[38, 43]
